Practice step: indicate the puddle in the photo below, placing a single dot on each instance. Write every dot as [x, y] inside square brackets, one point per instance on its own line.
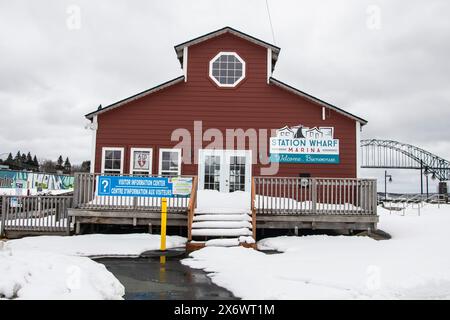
[145, 278]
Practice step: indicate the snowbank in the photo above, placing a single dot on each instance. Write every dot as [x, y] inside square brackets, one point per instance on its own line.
[414, 264]
[52, 267]
[94, 245]
[26, 274]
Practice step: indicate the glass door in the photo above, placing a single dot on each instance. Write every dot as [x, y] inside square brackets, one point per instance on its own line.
[225, 170]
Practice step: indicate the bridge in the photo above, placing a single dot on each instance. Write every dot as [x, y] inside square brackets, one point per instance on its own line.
[389, 154]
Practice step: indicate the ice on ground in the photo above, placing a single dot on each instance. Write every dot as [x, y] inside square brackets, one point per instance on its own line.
[94, 245]
[414, 264]
[27, 274]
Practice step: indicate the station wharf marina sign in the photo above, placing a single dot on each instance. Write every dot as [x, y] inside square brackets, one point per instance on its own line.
[158, 187]
[305, 145]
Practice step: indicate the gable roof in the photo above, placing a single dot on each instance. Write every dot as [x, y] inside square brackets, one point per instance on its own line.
[275, 50]
[136, 96]
[315, 100]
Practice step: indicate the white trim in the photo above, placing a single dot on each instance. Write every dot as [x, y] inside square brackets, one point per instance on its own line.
[122, 151]
[211, 69]
[93, 127]
[323, 113]
[358, 149]
[161, 150]
[269, 64]
[185, 62]
[132, 150]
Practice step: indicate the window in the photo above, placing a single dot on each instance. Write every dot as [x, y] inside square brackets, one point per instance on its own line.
[169, 162]
[227, 69]
[212, 172]
[141, 161]
[112, 160]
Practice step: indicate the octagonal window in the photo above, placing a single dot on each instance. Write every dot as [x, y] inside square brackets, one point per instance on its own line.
[227, 69]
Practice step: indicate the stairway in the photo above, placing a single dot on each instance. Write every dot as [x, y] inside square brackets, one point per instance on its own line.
[221, 227]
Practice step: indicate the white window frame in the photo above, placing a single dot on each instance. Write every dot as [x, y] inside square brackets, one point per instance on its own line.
[149, 171]
[161, 150]
[217, 81]
[122, 152]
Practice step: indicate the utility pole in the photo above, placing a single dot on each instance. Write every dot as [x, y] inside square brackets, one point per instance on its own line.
[386, 176]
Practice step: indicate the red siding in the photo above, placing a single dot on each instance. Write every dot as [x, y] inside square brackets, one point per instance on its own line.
[149, 121]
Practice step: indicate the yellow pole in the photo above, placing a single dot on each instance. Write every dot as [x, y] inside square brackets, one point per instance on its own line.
[163, 223]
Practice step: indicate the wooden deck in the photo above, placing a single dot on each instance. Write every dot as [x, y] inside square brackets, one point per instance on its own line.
[277, 203]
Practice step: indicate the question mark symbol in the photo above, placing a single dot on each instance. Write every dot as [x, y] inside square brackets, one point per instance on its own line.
[105, 184]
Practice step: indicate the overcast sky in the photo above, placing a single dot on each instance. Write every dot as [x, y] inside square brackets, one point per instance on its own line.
[392, 69]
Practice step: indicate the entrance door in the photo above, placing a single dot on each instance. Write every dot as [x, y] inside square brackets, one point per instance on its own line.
[225, 170]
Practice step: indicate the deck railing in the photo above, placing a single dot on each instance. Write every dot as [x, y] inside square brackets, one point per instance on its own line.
[35, 213]
[294, 195]
[85, 197]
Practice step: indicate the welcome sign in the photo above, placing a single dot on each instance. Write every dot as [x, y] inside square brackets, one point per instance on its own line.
[305, 145]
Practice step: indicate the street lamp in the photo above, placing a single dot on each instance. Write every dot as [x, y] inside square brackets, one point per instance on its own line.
[386, 176]
[433, 177]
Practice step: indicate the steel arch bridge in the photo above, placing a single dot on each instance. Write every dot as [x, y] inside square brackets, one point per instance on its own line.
[388, 154]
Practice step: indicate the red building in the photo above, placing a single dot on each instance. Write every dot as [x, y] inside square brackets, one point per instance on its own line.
[216, 121]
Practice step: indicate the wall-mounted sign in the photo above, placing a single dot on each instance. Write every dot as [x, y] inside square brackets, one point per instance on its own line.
[141, 160]
[305, 145]
[158, 187]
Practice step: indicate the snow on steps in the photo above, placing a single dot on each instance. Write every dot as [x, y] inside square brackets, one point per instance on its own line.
[223, 211]
[221, 232]
[223, 217]
[221, 224]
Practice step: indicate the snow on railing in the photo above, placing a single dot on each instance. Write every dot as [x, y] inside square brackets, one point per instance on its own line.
[325, 196]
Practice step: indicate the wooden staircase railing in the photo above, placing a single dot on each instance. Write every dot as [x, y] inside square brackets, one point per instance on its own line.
[253, 208]
[192, 205]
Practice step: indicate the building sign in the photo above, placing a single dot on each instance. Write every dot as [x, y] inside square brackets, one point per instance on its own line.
[158, 187]
[141, 160]
[305, 145]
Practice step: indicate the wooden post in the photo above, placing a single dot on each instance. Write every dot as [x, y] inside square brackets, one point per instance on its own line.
[163, 223]
[314, 195]
[3, 220]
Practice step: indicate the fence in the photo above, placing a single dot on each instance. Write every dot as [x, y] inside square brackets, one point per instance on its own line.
[85, 197]
[326, 196]
[35, 213]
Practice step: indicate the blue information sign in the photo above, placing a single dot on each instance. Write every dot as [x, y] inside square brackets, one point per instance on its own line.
[159, 187]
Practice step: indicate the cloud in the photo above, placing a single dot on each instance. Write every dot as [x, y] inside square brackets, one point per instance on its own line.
[395, 76]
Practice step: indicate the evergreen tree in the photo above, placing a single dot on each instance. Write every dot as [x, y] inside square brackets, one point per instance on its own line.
[35, 162]
[29, 159]
[59, 163]
[10, 159]
[67, 166]
[17, 158]
[23, 159]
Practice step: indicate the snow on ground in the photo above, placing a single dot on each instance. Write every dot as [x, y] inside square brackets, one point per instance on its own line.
[52, 267]
[414, 264]
[27, 274]
[95, 245]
